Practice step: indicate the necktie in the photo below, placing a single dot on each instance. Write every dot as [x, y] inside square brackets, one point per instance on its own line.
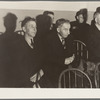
[63, 43]
[32, 43]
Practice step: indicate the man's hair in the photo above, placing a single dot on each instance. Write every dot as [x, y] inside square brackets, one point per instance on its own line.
[48, 12]
[61, 21]
[27, 19]
[96, 14]
[98, 9]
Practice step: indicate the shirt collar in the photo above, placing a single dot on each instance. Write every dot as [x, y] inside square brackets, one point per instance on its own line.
[60, 37]
[28, 40]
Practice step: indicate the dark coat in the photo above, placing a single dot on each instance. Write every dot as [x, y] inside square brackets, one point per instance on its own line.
[6, 52]
[80, 31]
[22, 64]
[94, 44]
[55, 56]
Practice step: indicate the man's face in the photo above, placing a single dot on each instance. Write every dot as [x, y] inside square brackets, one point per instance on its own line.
[52, 17]
[80, 18]
[97, 19]
[64, 30]
[52, 20]
[30, 28]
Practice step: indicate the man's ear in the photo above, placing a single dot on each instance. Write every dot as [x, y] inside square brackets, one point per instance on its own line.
[58, 30]
[77, 17]
[24, 29]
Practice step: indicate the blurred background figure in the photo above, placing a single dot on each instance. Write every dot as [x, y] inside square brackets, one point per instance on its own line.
[43, 25]
[43, 29]
[7, 41]
[10, 23]
[94, 39]
[80, 28]
[9, 35]
[93, 45]
[51, 14]
[97, 10]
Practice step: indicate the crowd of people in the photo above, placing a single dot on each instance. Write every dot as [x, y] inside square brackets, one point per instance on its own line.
[36, 55]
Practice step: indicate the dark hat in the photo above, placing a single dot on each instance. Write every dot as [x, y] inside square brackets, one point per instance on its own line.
[84, 12]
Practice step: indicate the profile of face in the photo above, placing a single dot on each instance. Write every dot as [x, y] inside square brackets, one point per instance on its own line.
[52, 20]
[52, 17]
[97, 19]
[80, 18]
[30, 28]
[64, 30]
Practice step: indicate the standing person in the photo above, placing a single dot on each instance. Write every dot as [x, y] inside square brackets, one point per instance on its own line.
[6, 44]
[59, 50]
[80, 28]
[93, 45]
[94, 39]
[43, 30]
[26, 60]
[50, 14]
[29, 59]
[97, 10]
[43, 25]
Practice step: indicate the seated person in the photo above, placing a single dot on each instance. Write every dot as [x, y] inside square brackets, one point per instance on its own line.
[80, 28]
[59, 51]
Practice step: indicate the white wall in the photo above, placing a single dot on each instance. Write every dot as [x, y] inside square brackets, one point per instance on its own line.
[50, 5]
[33, 8]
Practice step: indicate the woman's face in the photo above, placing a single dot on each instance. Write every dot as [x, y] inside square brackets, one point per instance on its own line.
[80, 18]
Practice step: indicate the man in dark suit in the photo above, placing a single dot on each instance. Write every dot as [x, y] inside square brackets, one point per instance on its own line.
[94, 46]
[26, 60]
[94, 39]
[59, 51]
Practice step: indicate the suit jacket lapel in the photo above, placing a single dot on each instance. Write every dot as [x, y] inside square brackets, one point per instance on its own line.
[58, 44]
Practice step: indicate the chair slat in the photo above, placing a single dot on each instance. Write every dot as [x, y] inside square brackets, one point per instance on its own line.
[79, 76]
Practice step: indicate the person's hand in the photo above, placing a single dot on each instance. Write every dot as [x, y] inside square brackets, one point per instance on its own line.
[69, 60]
[34, 77]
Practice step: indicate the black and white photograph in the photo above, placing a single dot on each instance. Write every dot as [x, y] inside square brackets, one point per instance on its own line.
[50, 45]
[50, 49]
